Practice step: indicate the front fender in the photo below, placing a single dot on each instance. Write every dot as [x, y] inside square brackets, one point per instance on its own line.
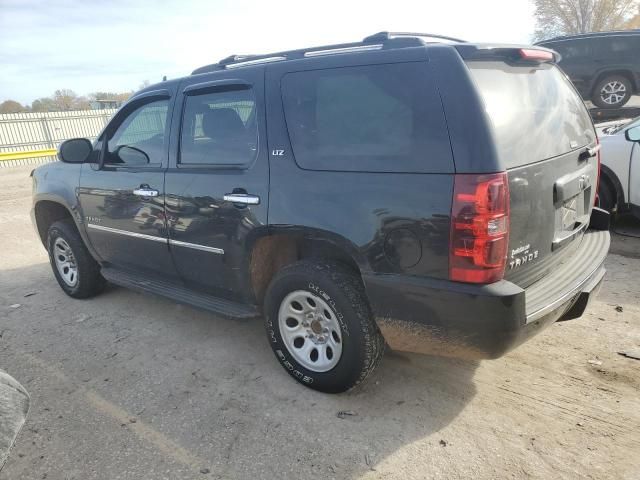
[58, 183]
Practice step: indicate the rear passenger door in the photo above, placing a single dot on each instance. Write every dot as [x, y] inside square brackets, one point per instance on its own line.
[217, 185]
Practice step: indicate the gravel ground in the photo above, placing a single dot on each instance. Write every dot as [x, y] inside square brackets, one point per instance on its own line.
[132, 386]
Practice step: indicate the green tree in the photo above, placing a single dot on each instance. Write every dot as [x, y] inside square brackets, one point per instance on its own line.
[11, 106]
[565, 17]
[44, 104]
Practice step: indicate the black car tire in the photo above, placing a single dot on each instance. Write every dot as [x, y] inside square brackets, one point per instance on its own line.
[87, 281]
[612, 80]
[362, 344]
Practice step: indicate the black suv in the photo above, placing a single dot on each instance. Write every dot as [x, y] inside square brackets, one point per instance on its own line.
[604, 66]
[422, 191]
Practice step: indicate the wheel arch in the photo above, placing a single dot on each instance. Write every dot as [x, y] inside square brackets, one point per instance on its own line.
[46, 211]
[276, 247]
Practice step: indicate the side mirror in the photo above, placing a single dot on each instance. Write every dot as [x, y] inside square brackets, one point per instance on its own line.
[633, 134]
[76, 150]
[132, 155]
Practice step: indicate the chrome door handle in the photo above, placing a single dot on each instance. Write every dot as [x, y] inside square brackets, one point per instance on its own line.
[244, 198]
[145, 192]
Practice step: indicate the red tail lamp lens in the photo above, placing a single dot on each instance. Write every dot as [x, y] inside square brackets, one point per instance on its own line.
[479, 228]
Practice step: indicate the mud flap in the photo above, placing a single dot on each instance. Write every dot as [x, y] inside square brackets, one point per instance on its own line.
[600, 219]
[589, 292]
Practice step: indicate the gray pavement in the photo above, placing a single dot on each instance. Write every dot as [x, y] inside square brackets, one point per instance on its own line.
[132, 386]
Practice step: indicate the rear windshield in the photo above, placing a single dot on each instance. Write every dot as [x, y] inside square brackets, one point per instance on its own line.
[535, 112]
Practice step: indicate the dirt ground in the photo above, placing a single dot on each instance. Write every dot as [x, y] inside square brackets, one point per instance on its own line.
[132, 386]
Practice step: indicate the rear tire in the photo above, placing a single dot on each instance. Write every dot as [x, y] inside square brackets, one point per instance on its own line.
[77, 273]
[612, 92]
[320, 326]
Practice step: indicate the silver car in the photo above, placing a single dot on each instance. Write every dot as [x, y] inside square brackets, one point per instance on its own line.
[620, 170]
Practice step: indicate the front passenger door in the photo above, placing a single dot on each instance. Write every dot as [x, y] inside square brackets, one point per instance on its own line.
[122, 197]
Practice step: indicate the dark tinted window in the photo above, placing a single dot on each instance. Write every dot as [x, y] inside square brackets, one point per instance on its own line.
[535, 112]
[573, 50]
[618, 45]
[140, 138]
[219, 128]
[385, 118]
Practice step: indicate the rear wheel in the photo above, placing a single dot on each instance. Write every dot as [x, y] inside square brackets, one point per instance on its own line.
[612, 92]
[77, 273]
[320, 326]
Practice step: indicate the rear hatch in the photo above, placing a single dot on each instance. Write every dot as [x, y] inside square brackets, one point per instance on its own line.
[545, 139]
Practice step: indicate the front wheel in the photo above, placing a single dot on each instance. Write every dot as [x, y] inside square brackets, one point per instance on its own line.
[612, 92]
[77, 273]
[320, 326]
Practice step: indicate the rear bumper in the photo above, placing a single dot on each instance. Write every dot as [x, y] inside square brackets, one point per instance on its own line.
[440, 317]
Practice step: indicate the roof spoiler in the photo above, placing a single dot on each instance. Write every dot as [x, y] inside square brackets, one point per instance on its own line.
[511, 53]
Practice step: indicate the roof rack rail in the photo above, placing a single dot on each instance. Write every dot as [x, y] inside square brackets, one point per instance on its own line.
[384, 36]
[235, 59]
[372, 42]
[633, 31]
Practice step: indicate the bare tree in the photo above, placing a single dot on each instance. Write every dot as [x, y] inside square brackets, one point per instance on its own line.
[563, 17]
[65, 99]
[634, 22]
[118, 97]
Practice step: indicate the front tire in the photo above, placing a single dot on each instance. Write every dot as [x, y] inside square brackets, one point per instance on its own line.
[77, 273]
[612, 92]
[320, 326]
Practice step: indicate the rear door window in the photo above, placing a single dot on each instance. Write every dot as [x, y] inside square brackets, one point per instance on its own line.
[378, 118]
[219, 128]
[535, 111]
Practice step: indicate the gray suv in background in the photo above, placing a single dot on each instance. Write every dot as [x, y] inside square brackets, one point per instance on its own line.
[604, 66]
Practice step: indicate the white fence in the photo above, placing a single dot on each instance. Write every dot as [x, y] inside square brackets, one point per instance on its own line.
[38, 132]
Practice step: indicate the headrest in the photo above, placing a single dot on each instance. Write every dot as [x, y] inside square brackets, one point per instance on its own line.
[219, 123]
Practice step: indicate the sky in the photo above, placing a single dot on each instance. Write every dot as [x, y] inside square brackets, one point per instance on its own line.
[113, 46]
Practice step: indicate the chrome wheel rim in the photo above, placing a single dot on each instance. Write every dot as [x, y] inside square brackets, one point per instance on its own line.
[65, 262]
[613, 93]
[310, 331]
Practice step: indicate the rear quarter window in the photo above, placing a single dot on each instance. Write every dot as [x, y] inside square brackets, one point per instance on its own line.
[535, 112]
[377, 118]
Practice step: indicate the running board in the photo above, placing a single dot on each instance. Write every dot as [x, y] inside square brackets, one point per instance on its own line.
[180, 294]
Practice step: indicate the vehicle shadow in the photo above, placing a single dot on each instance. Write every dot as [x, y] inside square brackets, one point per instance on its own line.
[214, 387]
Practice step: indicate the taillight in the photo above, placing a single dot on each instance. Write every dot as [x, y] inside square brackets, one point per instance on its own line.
[479, 228]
